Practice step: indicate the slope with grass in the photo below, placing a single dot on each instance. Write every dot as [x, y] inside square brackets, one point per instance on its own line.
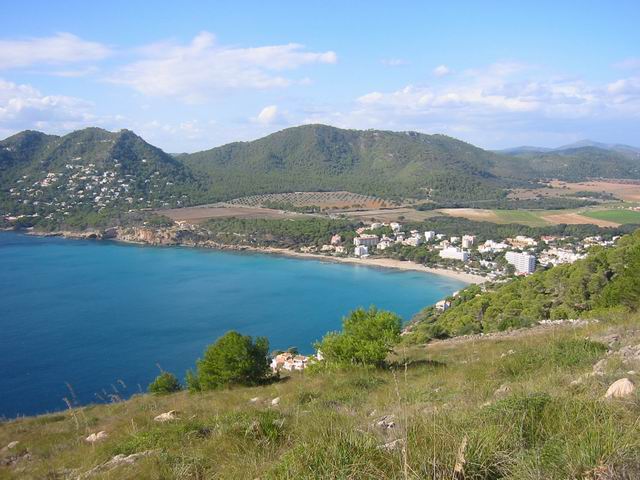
[617, 216]
[519, 406]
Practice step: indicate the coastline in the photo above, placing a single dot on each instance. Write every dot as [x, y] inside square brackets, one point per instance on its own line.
[376, 262]
[382, 262]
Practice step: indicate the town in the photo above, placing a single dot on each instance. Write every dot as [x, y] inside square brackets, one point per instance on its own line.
[494, 259]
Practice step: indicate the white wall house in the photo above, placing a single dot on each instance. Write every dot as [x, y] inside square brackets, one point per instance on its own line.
[523, 262]
[361, 251]
[454, 253]
[367, 240]
[429, 236]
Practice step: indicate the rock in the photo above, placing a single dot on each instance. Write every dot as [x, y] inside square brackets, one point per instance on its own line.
[10, 446]
[510, 352]
[609, 340]
[503, 390]
[167, 416]
[599, 367]
[630, 352]
[13, 460]
[117, 461]
[254, 400]
[391, 445]
[96, 437]
[275, 402]
[386, 422]
[620, 389]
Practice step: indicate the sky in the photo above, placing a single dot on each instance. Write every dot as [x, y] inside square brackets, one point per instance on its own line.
[188, 75]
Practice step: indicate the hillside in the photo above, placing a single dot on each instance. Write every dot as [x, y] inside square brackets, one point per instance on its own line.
[319, 157]
[88, 171]
[574, 164]
[524, 405]
[91, 176]
[607, 278]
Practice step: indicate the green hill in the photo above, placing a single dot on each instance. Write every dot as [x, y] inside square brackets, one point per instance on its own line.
[319, 157]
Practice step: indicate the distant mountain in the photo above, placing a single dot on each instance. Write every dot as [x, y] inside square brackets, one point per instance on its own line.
[627, 150]
[90, 169]
[319, 157]
[96, 172]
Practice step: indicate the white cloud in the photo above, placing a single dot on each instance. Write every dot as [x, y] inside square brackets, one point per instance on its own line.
[201, 67]
[268, 115]
[59, 49]
[441, 71]
[24, 107]
[501, 104]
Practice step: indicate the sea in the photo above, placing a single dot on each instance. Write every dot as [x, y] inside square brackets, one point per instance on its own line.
[89, 321]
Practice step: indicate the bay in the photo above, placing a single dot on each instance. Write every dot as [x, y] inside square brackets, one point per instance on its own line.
[84, 320]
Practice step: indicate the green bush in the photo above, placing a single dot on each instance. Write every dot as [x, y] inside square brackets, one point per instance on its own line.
[367, 337]
[234, 359]
[165, 383]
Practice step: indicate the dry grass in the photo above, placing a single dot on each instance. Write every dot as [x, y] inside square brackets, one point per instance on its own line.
[327, 423]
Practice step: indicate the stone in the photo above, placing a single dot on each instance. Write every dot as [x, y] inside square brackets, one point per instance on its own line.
[598, 368]
[275, 402]
[167, 416]
[503, 390]
[391, 445]
[620, 389]
[117, 461]
[254, 400]
[386, 422]
[96, 437]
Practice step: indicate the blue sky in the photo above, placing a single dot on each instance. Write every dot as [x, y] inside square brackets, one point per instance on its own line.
[192, 75]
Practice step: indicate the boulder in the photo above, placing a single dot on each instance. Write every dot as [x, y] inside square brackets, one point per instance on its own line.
[620, 389]
[386, 422]
[167, 416]
[503, 390]
[275, 402]
[254, 400]
[96, 437]
[391, 445]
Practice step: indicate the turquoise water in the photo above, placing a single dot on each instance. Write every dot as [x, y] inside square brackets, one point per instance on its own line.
[99, 316]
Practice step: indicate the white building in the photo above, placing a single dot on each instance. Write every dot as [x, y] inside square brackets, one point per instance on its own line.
[413, 240]
[395, 226]
[429, 236]
[468, 241]
[454, 239]
[361, 251]
[454, 253]
[367, 240]
[384, 244]
[442, 305]
[524, 263]
[490, 247]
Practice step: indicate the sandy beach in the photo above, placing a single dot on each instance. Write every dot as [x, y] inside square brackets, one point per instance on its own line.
[378, 262]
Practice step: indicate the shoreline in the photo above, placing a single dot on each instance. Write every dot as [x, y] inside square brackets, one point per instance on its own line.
[382, 262]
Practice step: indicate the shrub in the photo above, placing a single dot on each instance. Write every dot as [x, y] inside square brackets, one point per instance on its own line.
[165, 383]
[234, 359]
[367, 337]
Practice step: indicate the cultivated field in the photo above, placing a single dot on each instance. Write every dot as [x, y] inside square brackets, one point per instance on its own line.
[324, 200]
[627, 190]
[617, 215]
[392, 214]
[205, 212]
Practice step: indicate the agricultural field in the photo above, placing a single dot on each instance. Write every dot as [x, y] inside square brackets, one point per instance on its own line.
[206, 212]
[619, 216]
[392, 214]
[525, 217]
[325, 200]
[626, 190]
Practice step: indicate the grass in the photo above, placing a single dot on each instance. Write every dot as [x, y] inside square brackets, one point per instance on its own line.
[616, 216]
[525, 217]
[442, 397]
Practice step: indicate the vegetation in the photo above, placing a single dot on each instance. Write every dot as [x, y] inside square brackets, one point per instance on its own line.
[283, 233]
[367, 337]
[234, 359]
[616, 216]
[607, 278]
[534, 413]
[165, 383]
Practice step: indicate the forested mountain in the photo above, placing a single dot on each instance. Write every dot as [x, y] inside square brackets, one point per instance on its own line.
[88, 170]
[574, 164]
[93, 170]
[319, 157]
